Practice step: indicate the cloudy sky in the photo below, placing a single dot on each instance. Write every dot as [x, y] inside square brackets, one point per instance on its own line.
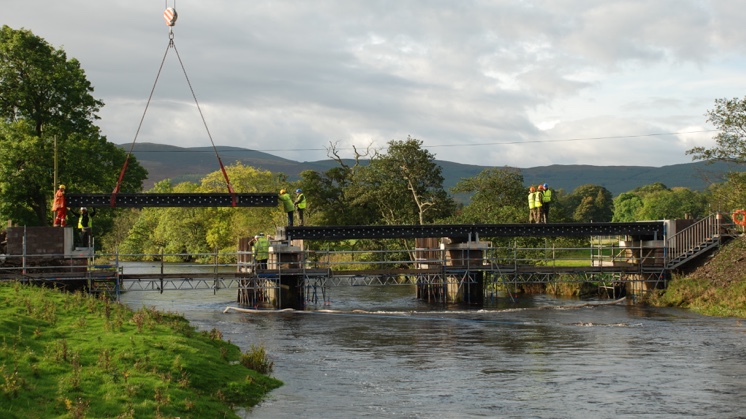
[488, 82]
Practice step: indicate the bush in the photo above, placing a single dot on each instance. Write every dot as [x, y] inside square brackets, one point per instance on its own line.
[256, 359]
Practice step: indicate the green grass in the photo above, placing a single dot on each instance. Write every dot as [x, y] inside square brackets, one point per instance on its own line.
[71, 355]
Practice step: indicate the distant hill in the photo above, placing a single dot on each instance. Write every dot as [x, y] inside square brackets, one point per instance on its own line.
[191, 164]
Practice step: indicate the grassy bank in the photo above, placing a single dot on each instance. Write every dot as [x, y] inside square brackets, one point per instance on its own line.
[717, 288]
[70, 355]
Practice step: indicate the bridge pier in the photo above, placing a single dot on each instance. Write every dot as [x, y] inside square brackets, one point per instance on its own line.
[649, 256]
[461, 279]
[281, 284]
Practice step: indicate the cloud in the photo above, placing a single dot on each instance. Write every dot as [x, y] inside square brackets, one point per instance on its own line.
[483, 82]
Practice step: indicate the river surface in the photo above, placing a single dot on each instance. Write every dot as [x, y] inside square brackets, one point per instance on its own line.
[377, 352]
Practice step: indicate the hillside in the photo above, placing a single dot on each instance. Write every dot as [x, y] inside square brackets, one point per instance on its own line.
[716, 288]
[191, 164]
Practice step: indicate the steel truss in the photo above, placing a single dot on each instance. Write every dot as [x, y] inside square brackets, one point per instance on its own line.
[137, 200]
[652, 229]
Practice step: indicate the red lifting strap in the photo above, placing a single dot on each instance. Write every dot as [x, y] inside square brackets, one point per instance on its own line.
[228, 182]
[114, 193]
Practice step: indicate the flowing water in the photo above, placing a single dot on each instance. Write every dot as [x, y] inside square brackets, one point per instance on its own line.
[377, 352]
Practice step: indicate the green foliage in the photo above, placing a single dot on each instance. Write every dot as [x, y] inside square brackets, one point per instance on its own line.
[729, 195]
[626, 207]
[256, 359]
[405, 186]
[195, 232]
[591, 203]
[331, 193]
[97, 358]
[497, 196]
[657, 202]
[47, 110]
[729, 118]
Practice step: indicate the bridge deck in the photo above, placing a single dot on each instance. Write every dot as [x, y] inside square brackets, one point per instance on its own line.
[647, 229]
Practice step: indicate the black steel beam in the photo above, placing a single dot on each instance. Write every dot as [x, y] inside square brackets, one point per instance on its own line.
[653, 229]
[141, 200]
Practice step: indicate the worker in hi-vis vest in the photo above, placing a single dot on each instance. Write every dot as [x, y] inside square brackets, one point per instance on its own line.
[531, 205]
[300, 204]
[546, 202]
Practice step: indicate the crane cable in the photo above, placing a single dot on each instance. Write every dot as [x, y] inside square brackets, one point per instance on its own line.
[170, 17]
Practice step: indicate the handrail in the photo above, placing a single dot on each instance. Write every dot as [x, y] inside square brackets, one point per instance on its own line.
[693, 240]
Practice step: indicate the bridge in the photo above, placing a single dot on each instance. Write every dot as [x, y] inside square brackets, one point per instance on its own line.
[449, 263]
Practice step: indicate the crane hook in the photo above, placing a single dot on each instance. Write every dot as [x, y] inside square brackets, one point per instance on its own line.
[170, 16]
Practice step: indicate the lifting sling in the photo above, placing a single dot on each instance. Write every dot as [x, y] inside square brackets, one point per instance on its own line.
[170, 16]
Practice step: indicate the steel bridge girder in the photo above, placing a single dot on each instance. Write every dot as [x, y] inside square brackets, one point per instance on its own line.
[142, 200]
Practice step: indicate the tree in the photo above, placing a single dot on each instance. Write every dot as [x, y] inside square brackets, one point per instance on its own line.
[626, 207]
[405, 185]
[657, 202]
[729, 195]
[590, 203]
[48, 112]
[729, 118]
[497, 196]
[330, 193]
[194, 231]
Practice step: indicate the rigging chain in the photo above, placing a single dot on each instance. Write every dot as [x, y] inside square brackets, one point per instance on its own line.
[170, 17]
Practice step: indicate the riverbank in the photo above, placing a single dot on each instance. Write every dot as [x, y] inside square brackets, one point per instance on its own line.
[717, 288]
[71, 355]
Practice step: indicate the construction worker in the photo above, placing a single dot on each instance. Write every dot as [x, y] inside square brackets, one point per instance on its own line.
[85, 225]
[288, 206]
[261, 251]
[59, 207]
[546, 202]
[531, 191]
[538, 198]
[300, 204]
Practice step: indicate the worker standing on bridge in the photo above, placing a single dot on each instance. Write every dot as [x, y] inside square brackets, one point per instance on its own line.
[538, 203]
[546, 202]
[300, 204]
[531, 192]
[59, 207]
[85, 225]
[288, 206]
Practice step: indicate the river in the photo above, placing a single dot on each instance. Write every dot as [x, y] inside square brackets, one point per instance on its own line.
[377, 352]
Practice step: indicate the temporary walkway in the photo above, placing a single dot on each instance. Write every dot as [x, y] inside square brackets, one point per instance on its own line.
[449, 263]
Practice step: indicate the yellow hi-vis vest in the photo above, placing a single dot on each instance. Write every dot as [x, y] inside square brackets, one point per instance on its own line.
[548, 195]
[531, 200]
[261, 249]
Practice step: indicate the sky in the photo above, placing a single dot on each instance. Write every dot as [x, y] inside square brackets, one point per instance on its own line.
[492, 83]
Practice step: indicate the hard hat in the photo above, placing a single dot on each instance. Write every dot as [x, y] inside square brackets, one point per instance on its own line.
[256, 237]
[545, 186]
[282, 191]
[532, 189]
[298, 190]
[83, 209]
[261, 234]
[62, 186]
[541, 187]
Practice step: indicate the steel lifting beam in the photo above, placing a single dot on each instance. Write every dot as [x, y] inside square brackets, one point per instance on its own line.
[646, 229]
[141, 200]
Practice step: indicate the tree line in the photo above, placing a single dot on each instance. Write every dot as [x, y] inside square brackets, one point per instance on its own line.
[48, 121]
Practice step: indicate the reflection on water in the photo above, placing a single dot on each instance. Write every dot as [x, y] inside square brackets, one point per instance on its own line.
[378, 352]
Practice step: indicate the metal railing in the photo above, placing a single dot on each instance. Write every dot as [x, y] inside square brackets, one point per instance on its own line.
[694, 240]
